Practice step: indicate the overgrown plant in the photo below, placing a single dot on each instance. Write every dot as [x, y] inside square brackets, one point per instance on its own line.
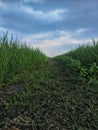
[73, 64]
[16, 58]
[90, 74]
[87, 54]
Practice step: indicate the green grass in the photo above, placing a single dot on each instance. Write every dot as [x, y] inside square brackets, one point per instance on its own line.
[82, 62]
[16, 58]
[59, 93]
[87, 54]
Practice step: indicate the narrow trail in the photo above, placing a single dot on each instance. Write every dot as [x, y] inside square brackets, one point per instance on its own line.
[54, 104]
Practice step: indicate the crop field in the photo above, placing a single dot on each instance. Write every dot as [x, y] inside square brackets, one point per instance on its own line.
[42, 93]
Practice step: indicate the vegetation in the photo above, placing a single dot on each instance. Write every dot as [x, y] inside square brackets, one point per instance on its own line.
[86, 54]
[84, 61]
[40, 93]
[16, 58]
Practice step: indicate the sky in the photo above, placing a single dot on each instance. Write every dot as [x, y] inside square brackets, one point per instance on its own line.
[53, 26]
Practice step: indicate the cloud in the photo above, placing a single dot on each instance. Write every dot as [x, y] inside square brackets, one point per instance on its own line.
[2, 30]
[2, 5]
[55, 42]
[81, 30]
[47, 16]
[28, 19]
[33, 1]
[37, 14]
[57, 37]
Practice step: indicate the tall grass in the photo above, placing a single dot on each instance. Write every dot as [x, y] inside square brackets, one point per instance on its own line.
[86, 54]
[15, 58]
